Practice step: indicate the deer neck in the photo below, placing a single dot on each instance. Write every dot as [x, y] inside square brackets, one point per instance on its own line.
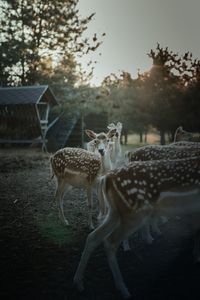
[116, 153]
[106, 164]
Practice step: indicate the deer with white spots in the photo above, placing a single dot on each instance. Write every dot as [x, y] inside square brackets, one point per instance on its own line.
[186, 144]
[134, 194]
[157, 152]
[76, 167]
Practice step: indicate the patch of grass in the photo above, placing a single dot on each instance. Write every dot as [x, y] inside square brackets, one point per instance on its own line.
[52, 229]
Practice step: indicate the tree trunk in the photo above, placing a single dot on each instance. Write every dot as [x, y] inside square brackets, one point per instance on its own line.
[141, 137]
[162, 137]
[145, 137]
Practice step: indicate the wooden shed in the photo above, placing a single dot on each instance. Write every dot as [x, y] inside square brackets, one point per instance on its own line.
[26, 117]
[24, 113]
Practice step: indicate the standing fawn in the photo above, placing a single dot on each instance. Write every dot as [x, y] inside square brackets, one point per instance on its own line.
[76, 167]
[115, 159]
[134, 194]
[91, 146]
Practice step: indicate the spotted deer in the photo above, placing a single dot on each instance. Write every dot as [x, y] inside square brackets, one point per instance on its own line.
[76, 167]
[183, 135]
[135, 193]
[157, 152]
[186, 144]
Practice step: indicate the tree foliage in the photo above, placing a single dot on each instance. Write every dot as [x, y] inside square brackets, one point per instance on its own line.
[164, 97]
[40, 36]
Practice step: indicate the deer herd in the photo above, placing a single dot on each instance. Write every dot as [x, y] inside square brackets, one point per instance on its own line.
[150, 183]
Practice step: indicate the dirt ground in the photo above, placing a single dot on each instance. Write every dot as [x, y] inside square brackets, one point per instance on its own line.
[39, 255]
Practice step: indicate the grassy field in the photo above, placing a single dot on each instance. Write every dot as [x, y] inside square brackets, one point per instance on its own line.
[133, 141]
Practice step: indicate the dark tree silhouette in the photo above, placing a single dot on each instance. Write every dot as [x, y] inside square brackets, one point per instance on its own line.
[37, 31]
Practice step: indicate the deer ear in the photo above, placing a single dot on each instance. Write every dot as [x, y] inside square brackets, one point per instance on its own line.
[112, 132]
[110, 126]
[91, 134]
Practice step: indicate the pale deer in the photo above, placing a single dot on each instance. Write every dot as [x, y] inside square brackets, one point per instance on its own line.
[115, 154]
[76, 167]
[116, 151]
[135, 193]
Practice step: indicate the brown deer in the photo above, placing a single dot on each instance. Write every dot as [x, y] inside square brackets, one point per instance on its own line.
[134, 194]
[76, 167]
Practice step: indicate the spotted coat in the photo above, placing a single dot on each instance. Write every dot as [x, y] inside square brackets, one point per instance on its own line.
[140, 183]
[156, 152]
[76, 160]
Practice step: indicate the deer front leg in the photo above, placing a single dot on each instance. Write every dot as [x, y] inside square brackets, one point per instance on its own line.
[59, 195]
[124, 229]
[154, 226]
[146, 234]
[102, 204]
[93, 241]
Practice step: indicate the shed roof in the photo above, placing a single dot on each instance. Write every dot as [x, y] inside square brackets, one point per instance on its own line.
[26, 95]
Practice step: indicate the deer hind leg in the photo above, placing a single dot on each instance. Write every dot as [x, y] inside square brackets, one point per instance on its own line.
[59, 195]
[146, 233]
[124, 229]
[154, 225]
[93, 241]
[102, 204]
[90, 206]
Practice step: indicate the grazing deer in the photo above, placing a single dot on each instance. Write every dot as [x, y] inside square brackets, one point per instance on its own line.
[183, 135]
[135, 193]
[80, 168]
[116, 152]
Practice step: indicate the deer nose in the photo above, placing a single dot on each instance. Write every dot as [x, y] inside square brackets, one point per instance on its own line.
[101, 151]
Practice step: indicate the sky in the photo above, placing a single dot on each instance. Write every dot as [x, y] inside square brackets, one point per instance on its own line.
[134, 27]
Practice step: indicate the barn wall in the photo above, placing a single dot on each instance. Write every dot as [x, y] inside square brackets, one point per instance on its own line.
[18, 122]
